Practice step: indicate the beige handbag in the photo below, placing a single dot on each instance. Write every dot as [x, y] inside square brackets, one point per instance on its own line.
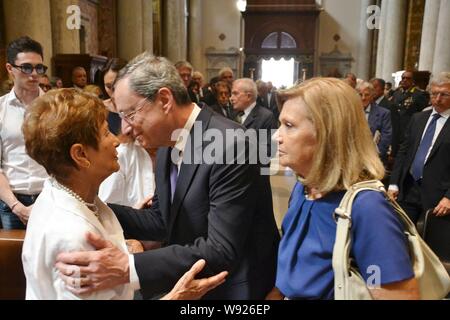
[433, 279]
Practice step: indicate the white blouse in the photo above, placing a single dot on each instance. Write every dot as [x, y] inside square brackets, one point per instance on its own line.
[59, 223]
[134, 181]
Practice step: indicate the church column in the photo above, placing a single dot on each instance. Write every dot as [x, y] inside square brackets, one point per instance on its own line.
[31, 18]
[364, 43]
[381, 39]
[442, 50]
[65, 40]
[135, 27]
[394, 37]
[175, 30]
[196, 34]
[430, 23]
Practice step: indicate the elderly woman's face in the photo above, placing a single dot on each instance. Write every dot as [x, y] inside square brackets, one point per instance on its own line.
[104, 160]
[296, 137]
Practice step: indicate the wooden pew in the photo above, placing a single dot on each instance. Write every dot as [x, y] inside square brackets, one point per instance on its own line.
[12, 278]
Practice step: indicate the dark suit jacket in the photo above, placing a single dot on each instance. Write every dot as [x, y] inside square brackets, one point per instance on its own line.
[406, 103]
[380, 120]
[227, 113]
[217, 214]
[436, 174]
[260, 118]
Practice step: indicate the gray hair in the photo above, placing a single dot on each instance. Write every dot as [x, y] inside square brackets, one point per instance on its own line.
[442, 78]
[184, 64]
[225, 69]
[248, 85]
[148, 74]
[365, 85]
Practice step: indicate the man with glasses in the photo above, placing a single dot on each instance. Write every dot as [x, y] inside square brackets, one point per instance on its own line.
[408, 99]
[201, 208]
[421, 175]
[21, 178]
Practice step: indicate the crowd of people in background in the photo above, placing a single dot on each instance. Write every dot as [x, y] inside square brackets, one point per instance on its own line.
[409, 131]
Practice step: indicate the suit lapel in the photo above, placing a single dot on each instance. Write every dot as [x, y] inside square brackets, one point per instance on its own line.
[251, 117]
[372, 119]
[444, 132]
[421, 124]
[163, 179]
[188, 168]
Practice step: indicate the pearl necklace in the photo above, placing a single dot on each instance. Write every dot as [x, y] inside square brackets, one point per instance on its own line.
[91, 206]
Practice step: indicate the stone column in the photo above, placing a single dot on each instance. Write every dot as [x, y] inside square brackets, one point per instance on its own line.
[430, 23]
[442, 50]
[65, 40]
[381, 39]
[147, 25]
[31, 18]
[196, 35]
[175, 30]
[394, 37]
[364, 43]
[135, 27]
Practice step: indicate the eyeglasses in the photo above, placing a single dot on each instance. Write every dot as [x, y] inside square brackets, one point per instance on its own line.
[129, 117]
[28, 68]
[444, 95]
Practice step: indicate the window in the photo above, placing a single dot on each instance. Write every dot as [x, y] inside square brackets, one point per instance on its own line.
[279, 40]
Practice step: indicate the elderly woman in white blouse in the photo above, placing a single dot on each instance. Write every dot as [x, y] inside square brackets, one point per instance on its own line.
[66, 132]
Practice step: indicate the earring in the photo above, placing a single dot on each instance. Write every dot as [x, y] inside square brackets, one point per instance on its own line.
[88, 165]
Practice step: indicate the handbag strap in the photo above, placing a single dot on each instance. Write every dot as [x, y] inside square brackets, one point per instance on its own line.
[342, 245]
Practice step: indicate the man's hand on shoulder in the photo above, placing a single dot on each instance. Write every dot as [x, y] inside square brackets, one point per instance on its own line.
[90, 271]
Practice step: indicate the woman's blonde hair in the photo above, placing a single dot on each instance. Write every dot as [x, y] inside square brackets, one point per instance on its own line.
[345, 153]
[58, 120]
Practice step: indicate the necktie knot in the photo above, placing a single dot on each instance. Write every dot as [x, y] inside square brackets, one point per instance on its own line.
[239, 116]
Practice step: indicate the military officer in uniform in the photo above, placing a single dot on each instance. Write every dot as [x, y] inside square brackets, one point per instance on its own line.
[408, 99]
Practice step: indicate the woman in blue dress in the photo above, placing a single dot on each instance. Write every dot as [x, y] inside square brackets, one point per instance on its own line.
[324, 138]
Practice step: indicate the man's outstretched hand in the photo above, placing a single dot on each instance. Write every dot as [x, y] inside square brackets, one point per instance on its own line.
[189, 288]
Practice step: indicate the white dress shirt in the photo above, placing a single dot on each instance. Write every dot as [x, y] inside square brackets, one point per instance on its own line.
[247, 112]
[135, 179]
[181, 137]
[59, 223]
[25, 176]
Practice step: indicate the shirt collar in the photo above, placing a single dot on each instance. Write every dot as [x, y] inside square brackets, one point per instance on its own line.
[379, 99]
[367, 110]
[182, 139]
[249, 109]
[12, 98]
[444, 114]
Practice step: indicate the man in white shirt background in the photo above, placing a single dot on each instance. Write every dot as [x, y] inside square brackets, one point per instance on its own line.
[21, 178]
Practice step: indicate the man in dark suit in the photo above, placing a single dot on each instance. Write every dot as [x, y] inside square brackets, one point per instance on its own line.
[206, 205]
[407, 99]
[421, 175]
[253, 116]
[379, 119]
[223, 105]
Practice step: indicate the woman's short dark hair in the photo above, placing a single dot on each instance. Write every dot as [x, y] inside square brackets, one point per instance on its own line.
[114, 65]
[23, 45]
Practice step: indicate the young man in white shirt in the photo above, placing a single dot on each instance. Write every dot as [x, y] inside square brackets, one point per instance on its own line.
[21, 178]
